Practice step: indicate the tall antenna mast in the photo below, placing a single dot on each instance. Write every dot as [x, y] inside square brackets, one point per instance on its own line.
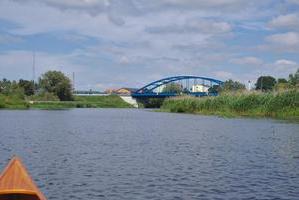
[33, 71]
[33, 66]
[73, 82]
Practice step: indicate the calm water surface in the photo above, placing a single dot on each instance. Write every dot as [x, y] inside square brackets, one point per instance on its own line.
[125, 154]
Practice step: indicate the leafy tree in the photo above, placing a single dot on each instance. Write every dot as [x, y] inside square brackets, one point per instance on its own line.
[231, 85]
[282, 80]
[172, 88]
[44, 96]
[294, 78]
[11, 88]
[282, 84]
[5, 86]
[215, 89]
[57, 83]
[265, 83]
[28, 86]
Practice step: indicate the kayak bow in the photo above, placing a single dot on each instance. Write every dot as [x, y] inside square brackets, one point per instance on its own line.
[16, 183]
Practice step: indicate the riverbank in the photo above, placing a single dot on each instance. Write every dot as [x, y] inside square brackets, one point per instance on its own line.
[13, 102]
[110, 101]
[284, 105]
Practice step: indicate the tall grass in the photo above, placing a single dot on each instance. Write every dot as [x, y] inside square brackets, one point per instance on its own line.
[277, 105]
[12, 102]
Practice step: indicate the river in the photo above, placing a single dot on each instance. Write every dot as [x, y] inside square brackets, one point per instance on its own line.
[128, 154]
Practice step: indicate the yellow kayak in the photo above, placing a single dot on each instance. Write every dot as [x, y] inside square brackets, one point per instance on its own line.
[16, 183]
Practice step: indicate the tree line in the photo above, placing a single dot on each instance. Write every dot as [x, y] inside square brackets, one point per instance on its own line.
[266, 83]
[263, 83]
[52, 85]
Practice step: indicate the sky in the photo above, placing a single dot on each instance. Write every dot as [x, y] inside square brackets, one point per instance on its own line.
[128, 43]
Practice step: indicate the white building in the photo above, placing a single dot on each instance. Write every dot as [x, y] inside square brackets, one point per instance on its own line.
[160, 89]
[199, 88]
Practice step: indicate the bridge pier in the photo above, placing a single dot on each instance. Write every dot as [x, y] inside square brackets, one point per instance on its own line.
[150, 102]
[130, 100]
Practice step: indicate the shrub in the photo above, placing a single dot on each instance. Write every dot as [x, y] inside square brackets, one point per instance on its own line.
[44, 96]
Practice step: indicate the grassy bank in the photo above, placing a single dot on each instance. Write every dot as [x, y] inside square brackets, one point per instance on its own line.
[13, 102]
[111, 101]
[284, 105]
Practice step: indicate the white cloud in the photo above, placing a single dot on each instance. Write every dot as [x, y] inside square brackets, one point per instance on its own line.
[18, 64]
[9, 39]
[89, 6]
[224, 75]
[285, 62]
[290, 21]
[192, 26]
[203, 4]
[283, 41]
[280, 68]
[247, 61]
[285, 66]
[286, 39]
[294, 1]
[124, 60]
[120, 40]
[78, 3]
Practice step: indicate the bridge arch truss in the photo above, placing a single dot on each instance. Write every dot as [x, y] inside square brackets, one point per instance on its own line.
[149, 89]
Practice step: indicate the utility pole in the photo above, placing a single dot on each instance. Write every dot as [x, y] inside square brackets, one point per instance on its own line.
[73, 82]
[261, 83]
[33, 71]
[33, 66]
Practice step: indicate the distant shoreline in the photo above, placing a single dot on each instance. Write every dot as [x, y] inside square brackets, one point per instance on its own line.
[110, 101]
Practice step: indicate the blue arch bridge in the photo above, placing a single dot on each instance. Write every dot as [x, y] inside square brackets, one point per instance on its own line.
[189, 85]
